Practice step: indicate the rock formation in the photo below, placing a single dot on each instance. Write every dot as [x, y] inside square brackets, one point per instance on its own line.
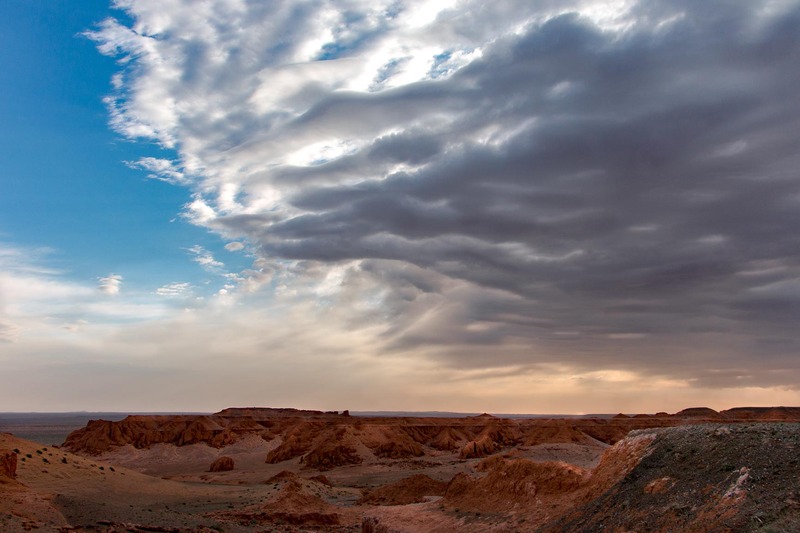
[221, 464]
[511, 483]
[142, 431]
[8, 464]
[330, 454]
[762, 413]
[699, 412]
[694, 478]
[412, 489]
[323, 441]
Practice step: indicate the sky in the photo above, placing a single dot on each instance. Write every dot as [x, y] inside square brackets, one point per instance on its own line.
[570, 206]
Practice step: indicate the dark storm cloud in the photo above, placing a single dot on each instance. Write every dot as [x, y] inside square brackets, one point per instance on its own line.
[667, 168]
[576, 194]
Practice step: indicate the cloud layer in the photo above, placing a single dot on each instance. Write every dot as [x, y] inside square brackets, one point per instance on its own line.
[583, 186]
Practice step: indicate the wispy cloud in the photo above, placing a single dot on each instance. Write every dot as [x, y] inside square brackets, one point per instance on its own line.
[39, 303]
[8, 331]
[160, 169]
[205, 259]
[174, 289]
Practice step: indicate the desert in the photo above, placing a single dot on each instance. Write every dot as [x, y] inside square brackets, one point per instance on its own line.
[263, 469]
[400, 266]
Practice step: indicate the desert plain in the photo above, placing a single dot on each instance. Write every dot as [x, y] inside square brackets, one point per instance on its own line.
[265, 469]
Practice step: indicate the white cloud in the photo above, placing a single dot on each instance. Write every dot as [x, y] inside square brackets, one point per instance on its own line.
[174, 289]
[160, 169]
[110, 284]
[234, 246]
[199, 212]
[205, 259]
[39, 302]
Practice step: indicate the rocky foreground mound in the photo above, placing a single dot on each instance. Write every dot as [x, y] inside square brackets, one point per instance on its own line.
[699, 478]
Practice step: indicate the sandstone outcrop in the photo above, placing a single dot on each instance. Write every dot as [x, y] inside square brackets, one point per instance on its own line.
[393, 442]
[512, 483]
[265, 413]
[295, 506]
[297, 440]
[142, 431]
[8, 464]
[480, 447]
[331, 454]
[323, 441]
[412, 489]
[221, 464]
[705, 413]
[762, 413]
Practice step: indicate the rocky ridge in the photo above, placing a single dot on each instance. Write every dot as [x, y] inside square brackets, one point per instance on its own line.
[323, 441]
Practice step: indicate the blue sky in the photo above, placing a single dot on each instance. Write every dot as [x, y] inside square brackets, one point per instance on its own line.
[546, 207]
[66, 185]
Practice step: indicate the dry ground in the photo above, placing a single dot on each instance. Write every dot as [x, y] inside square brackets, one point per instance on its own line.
[705, 477]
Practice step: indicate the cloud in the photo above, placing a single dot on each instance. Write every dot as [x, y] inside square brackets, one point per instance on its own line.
[234, 246]
[494, 185]
[110, 284]
[38, 303]
[160, 169]
[174, 289]
[205, 259]
[8, 331]
[76, 326]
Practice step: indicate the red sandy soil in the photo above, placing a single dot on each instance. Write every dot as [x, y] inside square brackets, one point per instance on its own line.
[696, 470]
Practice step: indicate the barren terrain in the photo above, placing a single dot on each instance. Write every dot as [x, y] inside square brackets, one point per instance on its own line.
[287, 470]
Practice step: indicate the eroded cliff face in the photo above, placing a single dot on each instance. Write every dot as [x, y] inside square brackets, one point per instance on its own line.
[8, 464]
[143, 431]
[391, 438]
[329, 440]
